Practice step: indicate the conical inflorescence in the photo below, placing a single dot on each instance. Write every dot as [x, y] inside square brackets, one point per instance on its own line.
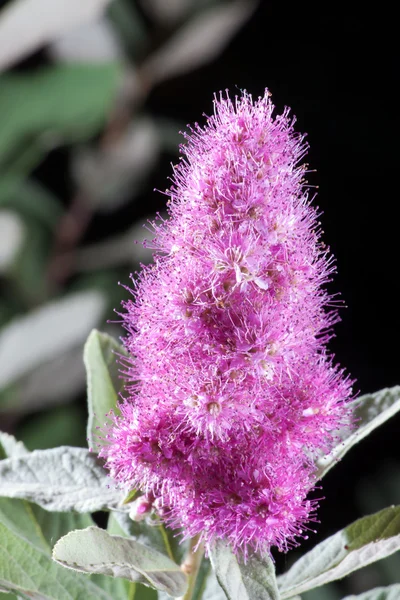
[230, 394]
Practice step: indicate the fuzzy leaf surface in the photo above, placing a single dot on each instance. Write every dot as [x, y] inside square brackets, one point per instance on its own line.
[365, 541]
[212, 589]
[254, 580]
[26, 568]
[103, 380]
[41, 527]
[9, 446]
[392, 592]
[371, 410]
[59, 479]
[93, 550]
[155, 536]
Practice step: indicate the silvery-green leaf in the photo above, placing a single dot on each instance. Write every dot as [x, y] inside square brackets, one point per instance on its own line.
[199, 567]
[153, 536]
[9, 446]
[207, 586]
[54, 525]
[363, 542]
[26, 568]
[47, 332]
[392, 592]
[103, 380]
[113, 174]
[59, 479]
[92, 42]
[11, 235]
[38, 23]
[254, 580]
[212, 589]
[170, 13]
[199, 41]
[371, 410]
[52, 383]
[94, 550]
[28, 270]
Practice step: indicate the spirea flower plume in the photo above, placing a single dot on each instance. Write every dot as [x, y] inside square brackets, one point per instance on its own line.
[231, 394]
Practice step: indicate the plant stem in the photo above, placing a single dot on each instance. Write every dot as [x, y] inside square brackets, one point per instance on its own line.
[191, 565]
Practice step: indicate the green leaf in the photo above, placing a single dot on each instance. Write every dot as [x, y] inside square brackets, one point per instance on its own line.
[371, 410]
[54, 525]
[155, 536]
[61, 425]
[145, 593]
[68, 102]
[39, 527]
[103, 380]
[43, 529]
[392, 592]
[253, 580]
[30, 199]
[118, 588]
[26, 567]
[59, 479]
[131, 496]
[94, 550]
[18, 517]
[363, 542]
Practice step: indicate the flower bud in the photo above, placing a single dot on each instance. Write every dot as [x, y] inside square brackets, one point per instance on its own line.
[140, 508]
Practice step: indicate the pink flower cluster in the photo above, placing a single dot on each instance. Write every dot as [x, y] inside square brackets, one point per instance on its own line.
[231, 395]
